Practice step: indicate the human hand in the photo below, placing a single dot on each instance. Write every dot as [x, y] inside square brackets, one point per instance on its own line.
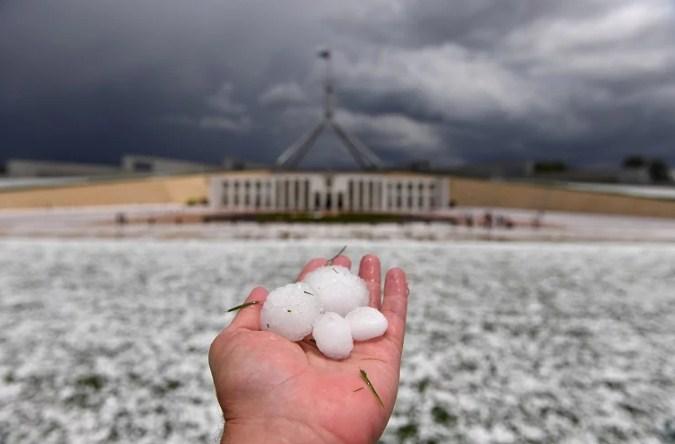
[272, 390]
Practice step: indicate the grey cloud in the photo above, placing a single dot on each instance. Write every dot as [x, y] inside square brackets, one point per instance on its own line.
[283, 94]
[223, 101]
[478, 80]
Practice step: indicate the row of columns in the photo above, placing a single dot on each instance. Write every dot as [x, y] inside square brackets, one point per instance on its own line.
[349, 193]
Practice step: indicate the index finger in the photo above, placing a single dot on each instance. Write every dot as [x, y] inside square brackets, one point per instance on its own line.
[248, 316]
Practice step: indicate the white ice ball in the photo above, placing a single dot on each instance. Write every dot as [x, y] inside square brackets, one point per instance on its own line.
[290, 311]
[366, 323]
[333, 336]
[339, 290]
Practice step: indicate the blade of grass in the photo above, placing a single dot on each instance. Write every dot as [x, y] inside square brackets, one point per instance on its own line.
[364, 376]
[342, 250]
[240, 306]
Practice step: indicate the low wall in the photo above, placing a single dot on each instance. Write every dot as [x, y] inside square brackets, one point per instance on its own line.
[485, 193]
[176, 189]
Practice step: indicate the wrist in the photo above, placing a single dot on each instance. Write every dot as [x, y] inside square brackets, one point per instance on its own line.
[276, 430]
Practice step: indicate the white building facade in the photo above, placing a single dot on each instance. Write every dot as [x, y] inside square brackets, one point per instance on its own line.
[329, 192]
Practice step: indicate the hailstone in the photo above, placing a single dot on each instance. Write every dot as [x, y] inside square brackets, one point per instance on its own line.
[333, 336]
[339, 290]
[290, 311]
[366, 323]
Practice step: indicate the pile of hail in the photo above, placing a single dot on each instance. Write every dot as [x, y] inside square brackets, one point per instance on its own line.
[331, 304]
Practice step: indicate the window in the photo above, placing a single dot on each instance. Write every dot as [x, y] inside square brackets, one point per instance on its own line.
[287, 187]
[390, 196]
[399, 195]
[317, 201]
[142, 166]
[305, 198]
[350, 194]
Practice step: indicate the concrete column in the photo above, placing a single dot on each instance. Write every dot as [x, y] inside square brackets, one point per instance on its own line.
[375, 202]
[291, 194]
[377, 206]
[281, 201]
[273, 193]
[366, 196]
[358, 194]
[413, 195]
[251, 194]
[242, 194]
[384, 206]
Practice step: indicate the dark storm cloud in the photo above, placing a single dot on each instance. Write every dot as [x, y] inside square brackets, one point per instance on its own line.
[584, 81]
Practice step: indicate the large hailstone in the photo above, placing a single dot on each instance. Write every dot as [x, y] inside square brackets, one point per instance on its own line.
[290, 311]
[366, 323]
[333, 336]
[339, 290]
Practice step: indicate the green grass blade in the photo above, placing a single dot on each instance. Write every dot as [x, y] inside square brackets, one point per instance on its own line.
[365, 378]
[240, 306]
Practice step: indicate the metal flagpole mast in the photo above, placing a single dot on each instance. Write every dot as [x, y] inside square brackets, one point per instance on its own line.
[363, 155]
[327, 85]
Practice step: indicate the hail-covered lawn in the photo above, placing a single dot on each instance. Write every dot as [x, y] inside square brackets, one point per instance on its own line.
[104, 341]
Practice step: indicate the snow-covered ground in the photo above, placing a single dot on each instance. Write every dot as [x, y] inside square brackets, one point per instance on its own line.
[106, 341]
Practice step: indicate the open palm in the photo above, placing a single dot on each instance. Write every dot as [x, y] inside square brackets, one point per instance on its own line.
[274, 390]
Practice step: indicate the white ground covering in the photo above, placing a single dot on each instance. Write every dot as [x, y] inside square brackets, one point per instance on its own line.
[105, 341]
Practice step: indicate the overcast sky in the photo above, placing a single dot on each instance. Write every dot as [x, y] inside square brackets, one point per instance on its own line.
[584, 81]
